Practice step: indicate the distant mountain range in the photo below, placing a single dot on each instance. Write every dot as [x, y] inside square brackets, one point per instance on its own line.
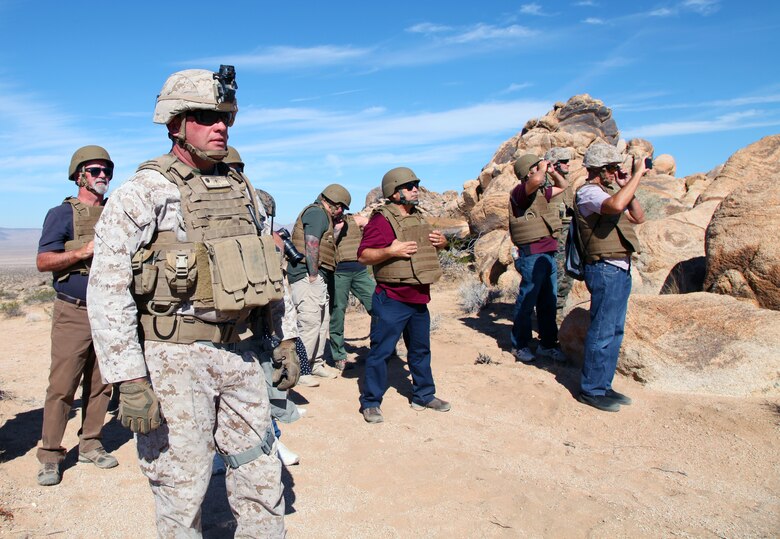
[18, 246]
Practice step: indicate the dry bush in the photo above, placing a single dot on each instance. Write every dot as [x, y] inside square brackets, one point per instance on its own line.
[11, 309]
[41, 295]
[457, 260]
[473, 295]
[354, 305]
[484, 359]
[436, 320]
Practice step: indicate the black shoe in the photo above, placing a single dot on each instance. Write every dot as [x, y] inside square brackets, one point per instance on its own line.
[617, 397]
[600, 402]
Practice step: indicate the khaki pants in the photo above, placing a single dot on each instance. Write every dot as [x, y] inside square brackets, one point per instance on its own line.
[311, 304]
[212, 397]
[72, 361]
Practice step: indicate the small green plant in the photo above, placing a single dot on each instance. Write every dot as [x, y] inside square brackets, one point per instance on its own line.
[41, 295]
[11, 309]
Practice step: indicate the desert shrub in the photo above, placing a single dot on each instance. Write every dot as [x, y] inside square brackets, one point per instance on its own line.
[41, 295]
[11, 309]
[473, 295]
[354, 305]
[457, 259]
[436, 319]
[5, 294]
[484, 359]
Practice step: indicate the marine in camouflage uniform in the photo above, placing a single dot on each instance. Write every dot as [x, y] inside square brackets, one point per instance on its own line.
[191, 383]
[559, 159]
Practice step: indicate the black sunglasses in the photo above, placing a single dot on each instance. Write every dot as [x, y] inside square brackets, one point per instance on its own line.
[612, 167]
[563, 161]
[408, 186]
[210, 117]
[95, 171]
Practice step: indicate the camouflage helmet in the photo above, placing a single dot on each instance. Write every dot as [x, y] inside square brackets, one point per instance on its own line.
[395, 178]
[600, 155]
[197, 89]
[84, 154]
[554, 155]
[266, 200]
[234, 157]
[338, 194]
[524, 164]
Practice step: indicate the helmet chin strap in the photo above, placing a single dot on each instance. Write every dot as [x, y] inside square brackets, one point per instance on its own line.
[402, 201]
[212, 156]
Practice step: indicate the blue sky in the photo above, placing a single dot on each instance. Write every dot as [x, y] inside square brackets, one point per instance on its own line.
[344, 91]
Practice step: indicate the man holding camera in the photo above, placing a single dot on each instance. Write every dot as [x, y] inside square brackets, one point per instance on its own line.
[402, 248]
[606, 210]
[559, 161]
[180, 274]
[309, 278]
[65, 249]
[534, 225]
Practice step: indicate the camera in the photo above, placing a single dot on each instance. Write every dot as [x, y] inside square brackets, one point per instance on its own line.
[648, 163]
[292, 254]
[226, 84]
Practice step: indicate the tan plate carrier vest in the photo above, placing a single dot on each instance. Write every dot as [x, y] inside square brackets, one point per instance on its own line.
[349, 241]
[224, 265]
[539, 220]
[606, 236]
[423, 267]
[84, 219]
[327, 245]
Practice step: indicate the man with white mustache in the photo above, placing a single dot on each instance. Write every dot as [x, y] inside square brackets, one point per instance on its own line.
[65, 249]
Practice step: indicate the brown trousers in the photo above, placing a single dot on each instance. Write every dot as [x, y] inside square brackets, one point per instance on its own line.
[72, 358]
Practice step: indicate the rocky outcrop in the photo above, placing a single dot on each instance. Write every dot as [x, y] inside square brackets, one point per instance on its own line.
[703, 343]
[743, 253]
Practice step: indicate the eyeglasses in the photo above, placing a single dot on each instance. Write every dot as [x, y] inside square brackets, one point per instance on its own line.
[563, 161]
[612, 167]
[408, 186]
[95, 171]
[210, 117]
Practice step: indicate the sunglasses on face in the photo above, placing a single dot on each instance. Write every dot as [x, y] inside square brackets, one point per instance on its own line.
[612, 167]
[211, 117]
[563, 162]
[408, 186]
[95, 171]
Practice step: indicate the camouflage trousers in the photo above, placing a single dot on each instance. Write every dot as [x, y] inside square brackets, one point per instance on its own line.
[564, 281]
[208, 395]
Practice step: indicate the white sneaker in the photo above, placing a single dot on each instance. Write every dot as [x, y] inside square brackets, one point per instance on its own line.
[323, 371]
[554, 353]
[287, 457]
[524, 355]
[307, 380]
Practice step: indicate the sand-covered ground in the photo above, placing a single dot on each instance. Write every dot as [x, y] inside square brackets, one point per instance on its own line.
[517, 456]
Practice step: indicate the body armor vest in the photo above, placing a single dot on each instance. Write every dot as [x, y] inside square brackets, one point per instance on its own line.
[327, 245]
[84, 219]
[349, 241]
[539, 220]
[224, 265]
[423, 267]
[606, 236]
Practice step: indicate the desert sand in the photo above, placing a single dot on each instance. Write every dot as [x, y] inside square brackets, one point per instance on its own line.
[517, 456]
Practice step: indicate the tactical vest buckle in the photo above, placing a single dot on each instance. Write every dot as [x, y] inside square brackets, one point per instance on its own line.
[182, 269]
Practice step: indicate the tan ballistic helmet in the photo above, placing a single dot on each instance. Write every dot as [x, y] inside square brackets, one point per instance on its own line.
[600, 155]
[87, 153]
[554, 155]
[233, 156]
[197, 89]
[524, 164]
[338, 194]
[395, 178]
[267, 201]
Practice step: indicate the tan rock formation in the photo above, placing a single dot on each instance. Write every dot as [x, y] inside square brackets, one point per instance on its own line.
[665, 164]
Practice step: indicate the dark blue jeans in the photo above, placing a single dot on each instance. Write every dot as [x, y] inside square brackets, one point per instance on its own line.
[539, 288]
[389, 318]
[609, 288]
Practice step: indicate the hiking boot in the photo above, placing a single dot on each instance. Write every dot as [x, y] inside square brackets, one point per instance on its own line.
[99, 458]
[373, 415]
[524, 355]
[600, 402]
[434, 404]
[617, 397]
[307, 380]
[49, 474]
[323, 371]
[287, 457]
[553, 353]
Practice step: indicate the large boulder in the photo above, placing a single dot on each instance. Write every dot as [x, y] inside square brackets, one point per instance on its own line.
[665, 164]
[743, 254]
[699, 343]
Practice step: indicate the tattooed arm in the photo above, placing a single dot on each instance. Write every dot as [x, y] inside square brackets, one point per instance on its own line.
[312, 256]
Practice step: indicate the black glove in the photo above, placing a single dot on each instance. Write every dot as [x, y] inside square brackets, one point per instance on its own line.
[139, 409]
[287, 366]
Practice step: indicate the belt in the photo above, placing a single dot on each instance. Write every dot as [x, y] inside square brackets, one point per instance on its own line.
[70, 299]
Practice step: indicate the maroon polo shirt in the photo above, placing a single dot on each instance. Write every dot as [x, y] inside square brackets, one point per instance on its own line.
[520, 203]
[378, 234]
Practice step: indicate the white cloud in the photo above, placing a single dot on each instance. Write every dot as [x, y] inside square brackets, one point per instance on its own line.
[531, 9]
[726, 122]
[487, 32]
[661, 12]
[515, 87]
[589, 3]
[703, 7]
[593, 20]
[428, 28]
[282, 58]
